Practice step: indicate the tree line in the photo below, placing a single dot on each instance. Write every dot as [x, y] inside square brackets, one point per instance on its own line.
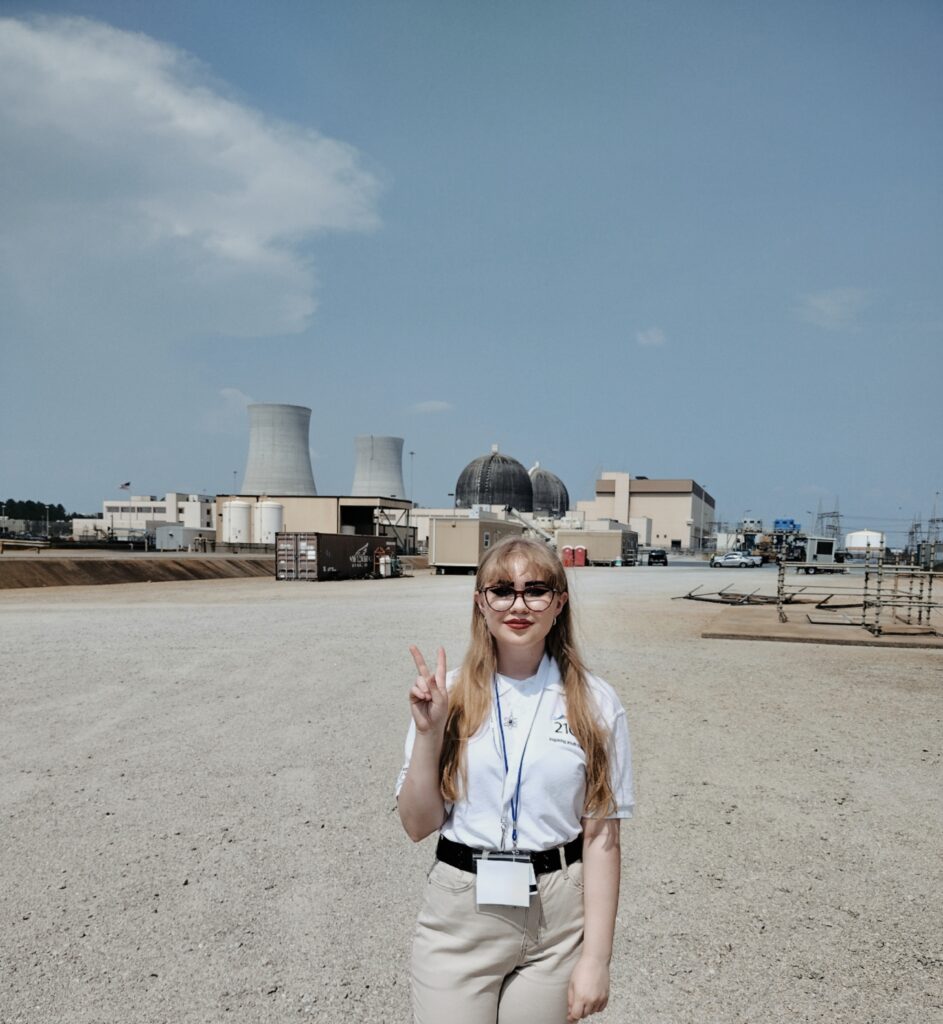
[34, 511]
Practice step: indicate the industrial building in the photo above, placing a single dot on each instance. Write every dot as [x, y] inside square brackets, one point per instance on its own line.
[244, 520]
[675, 514]
[140, 515]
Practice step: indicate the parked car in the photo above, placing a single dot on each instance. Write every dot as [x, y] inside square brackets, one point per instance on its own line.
[736, 560]
[658, 556]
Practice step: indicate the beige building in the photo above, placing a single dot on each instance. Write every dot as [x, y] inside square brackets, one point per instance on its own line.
[680, 512]
[245, 519]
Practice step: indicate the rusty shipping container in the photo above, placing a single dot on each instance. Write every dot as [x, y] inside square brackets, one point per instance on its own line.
[326, 556]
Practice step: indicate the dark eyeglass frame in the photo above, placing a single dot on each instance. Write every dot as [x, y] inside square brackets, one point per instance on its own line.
[522, 594]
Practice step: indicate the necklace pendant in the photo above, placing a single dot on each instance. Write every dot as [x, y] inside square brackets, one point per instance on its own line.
[510, 721]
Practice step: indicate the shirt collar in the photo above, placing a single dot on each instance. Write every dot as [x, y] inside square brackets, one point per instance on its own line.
[548, 672]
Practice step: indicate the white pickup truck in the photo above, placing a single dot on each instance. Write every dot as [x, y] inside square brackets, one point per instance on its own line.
[736, 560]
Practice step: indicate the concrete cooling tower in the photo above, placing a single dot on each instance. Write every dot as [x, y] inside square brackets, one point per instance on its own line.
[379, 468]
[279, 460]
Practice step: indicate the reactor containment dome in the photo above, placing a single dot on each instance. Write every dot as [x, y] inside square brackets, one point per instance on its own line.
[551, 497]
[495, 479]
[379, 468]
[279, 460]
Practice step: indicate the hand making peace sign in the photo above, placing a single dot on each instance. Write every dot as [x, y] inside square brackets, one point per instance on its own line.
[428, 699]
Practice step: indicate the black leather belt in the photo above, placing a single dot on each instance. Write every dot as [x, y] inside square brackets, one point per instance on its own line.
[462, 857]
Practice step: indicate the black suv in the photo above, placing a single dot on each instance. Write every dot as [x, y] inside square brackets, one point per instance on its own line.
[658, 556]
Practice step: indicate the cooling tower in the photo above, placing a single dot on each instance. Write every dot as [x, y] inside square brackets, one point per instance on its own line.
[279, 461]
[379, 468]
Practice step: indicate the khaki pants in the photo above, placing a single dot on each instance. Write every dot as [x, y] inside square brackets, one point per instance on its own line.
[496, 965]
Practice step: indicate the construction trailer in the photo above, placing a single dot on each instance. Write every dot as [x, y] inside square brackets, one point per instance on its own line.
[457, 544]
[602, 547]
[332, 556]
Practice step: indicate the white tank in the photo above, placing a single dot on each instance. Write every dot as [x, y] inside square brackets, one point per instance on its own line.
[267, 518]
[236, 522]
[858, 542]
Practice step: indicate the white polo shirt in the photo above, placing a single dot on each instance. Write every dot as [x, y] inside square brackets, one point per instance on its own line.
[553, 780]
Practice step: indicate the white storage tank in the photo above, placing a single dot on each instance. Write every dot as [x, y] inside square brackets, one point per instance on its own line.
[236, 522]
[858, 543]
[267, 518]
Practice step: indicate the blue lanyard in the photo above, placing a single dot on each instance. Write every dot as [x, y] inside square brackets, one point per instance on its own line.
[516, 796]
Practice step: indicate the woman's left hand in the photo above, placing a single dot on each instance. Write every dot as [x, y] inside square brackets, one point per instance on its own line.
[589, 989]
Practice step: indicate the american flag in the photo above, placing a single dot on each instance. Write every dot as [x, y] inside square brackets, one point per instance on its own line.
[125, 487]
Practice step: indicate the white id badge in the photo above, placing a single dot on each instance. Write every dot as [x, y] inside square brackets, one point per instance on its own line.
[503, 882]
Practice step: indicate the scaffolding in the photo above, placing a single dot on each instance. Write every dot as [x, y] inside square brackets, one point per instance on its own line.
[880, 596]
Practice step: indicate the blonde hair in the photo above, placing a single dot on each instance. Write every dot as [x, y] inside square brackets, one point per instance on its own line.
[470, 697]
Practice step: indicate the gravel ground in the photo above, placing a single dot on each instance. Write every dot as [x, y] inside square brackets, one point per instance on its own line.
[198, 822]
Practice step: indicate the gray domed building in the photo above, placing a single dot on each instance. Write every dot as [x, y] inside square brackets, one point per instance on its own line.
[495, 479]
[551, 497]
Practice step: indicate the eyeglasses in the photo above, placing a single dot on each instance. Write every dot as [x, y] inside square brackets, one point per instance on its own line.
[537, 596]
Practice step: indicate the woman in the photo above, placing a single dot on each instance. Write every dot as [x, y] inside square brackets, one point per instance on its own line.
[521, 753]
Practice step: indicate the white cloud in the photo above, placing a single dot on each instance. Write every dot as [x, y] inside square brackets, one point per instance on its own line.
[431, 406]
[834, 309]
[651, 336]
[137, 197]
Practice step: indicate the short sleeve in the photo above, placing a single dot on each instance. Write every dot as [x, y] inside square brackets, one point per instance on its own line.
[410, 740]
[620, 768]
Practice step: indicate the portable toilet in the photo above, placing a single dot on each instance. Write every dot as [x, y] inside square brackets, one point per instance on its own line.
[567, 554]
[579, 555]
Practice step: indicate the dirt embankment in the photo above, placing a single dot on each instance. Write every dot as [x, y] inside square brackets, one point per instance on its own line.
[64, 572]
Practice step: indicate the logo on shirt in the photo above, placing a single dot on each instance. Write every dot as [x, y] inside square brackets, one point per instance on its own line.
[561, 732]
[560, 725]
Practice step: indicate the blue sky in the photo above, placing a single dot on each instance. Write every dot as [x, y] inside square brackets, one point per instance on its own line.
[674, 239]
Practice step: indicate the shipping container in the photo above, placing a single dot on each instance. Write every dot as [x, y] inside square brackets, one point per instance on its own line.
[328, 556]
[457, 544]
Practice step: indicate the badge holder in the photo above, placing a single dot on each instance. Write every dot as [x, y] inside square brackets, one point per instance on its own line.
[503, 879]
